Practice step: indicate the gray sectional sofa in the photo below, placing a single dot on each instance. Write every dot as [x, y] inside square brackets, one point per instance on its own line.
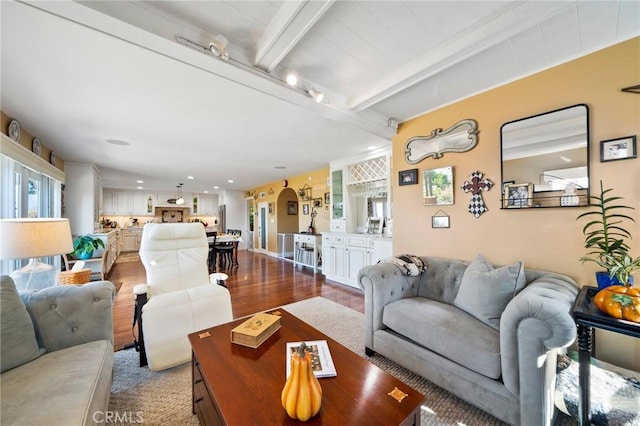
[57, 354]
[488, 335]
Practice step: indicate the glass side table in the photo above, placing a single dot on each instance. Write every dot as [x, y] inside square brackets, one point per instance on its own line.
[588, 317]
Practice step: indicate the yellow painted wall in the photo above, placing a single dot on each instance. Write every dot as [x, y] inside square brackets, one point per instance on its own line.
[279, 221]
[548, 239]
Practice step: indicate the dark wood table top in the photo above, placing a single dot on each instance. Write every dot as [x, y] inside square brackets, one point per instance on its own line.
[246, 383]
[586, 313]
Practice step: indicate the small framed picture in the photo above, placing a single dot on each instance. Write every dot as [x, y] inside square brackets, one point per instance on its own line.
[263, 195]
[618, 149]
[305, 208]
[317, 202]
[518, 195]
[408, 177]
[292, 207]
[270, 208]
[505, 184]
[440, 222]
[326, 198]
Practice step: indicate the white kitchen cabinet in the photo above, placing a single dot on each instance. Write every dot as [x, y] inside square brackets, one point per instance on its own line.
[204, 205]
[131, 239]
[108, 202]
[306, 250]
[127, 203]
[344, 255]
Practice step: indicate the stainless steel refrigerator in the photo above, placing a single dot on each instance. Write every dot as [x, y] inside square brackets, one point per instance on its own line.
[222, 218]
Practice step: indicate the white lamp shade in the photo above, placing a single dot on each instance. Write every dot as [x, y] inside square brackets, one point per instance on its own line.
[29, 238]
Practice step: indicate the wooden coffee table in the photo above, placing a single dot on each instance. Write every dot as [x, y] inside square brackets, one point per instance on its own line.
[237, 385]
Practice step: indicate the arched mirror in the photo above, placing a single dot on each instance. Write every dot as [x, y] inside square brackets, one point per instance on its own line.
[550, 151]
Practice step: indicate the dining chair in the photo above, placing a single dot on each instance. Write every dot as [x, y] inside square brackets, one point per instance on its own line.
[224, 250]
[211, 259]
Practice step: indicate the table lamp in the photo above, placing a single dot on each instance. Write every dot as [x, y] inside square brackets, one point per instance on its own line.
[34, 238]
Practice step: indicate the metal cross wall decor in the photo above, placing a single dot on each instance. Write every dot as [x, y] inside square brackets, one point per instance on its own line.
[475, 185]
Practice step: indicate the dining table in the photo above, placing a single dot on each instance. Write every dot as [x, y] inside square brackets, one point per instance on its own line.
[227, 238]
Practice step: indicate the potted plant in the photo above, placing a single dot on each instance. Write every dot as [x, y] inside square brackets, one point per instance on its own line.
[605, 240]
[84, 246]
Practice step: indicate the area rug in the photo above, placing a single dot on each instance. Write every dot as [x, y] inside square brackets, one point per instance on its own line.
[159, 398]
[127, 257]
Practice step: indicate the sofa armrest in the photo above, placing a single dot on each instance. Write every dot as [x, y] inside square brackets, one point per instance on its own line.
[383, 283]
[535, 325]
[65, 316]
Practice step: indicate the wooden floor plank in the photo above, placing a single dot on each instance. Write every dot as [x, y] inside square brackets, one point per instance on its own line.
[260, 282]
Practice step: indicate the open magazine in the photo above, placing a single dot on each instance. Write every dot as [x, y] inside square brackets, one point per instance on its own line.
[321, 361]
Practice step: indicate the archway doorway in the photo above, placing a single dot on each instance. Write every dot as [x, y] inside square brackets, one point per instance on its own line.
[287, 221]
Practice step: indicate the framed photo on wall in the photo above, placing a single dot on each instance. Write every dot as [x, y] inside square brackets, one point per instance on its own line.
[317, 202]
[518, 195]
[326, 198]
[305, 208]
[408, 177]
[270, 208]
[618, 149]
[292, 207]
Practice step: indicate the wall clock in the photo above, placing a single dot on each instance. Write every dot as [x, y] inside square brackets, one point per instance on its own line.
[14, 130]
[35, 146]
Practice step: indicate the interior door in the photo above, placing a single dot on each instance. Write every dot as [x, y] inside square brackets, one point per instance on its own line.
[262, 227]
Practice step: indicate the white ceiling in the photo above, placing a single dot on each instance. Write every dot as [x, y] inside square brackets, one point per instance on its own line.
[76, 74]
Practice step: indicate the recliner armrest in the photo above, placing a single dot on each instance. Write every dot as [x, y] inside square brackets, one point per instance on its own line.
[140, 289]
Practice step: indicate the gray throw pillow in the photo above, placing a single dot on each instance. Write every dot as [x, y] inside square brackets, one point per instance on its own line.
[18, 337]
[485, 291]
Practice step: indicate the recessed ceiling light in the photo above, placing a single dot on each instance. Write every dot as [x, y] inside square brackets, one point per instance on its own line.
[140, 187]
[117, 142]
[370, 147]
[190, 177]
[206, 192]
[139, 181]
[230, 181]
[216, 187]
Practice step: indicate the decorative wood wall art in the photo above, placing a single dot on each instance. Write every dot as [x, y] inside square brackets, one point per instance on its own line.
[460, 137]
[475, 185]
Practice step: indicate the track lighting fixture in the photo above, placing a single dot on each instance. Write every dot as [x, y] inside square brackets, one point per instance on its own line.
[292, 79]
[318, 96]
[218, 47]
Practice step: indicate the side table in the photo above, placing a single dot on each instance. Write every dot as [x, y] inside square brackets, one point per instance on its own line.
[588, 317]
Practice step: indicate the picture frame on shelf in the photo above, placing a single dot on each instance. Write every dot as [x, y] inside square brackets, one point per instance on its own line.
[505, 184]
[623, 148]
[292, 207]
[408, 177]
[518, 195]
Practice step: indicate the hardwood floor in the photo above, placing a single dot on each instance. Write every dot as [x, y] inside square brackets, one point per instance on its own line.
[259, 283]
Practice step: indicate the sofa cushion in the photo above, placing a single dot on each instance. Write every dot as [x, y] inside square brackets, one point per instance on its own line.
[71, 386]
[485, 291]
[18, 337]
[448, 331]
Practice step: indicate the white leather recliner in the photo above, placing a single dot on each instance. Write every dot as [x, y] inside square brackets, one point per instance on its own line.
[179, 297]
